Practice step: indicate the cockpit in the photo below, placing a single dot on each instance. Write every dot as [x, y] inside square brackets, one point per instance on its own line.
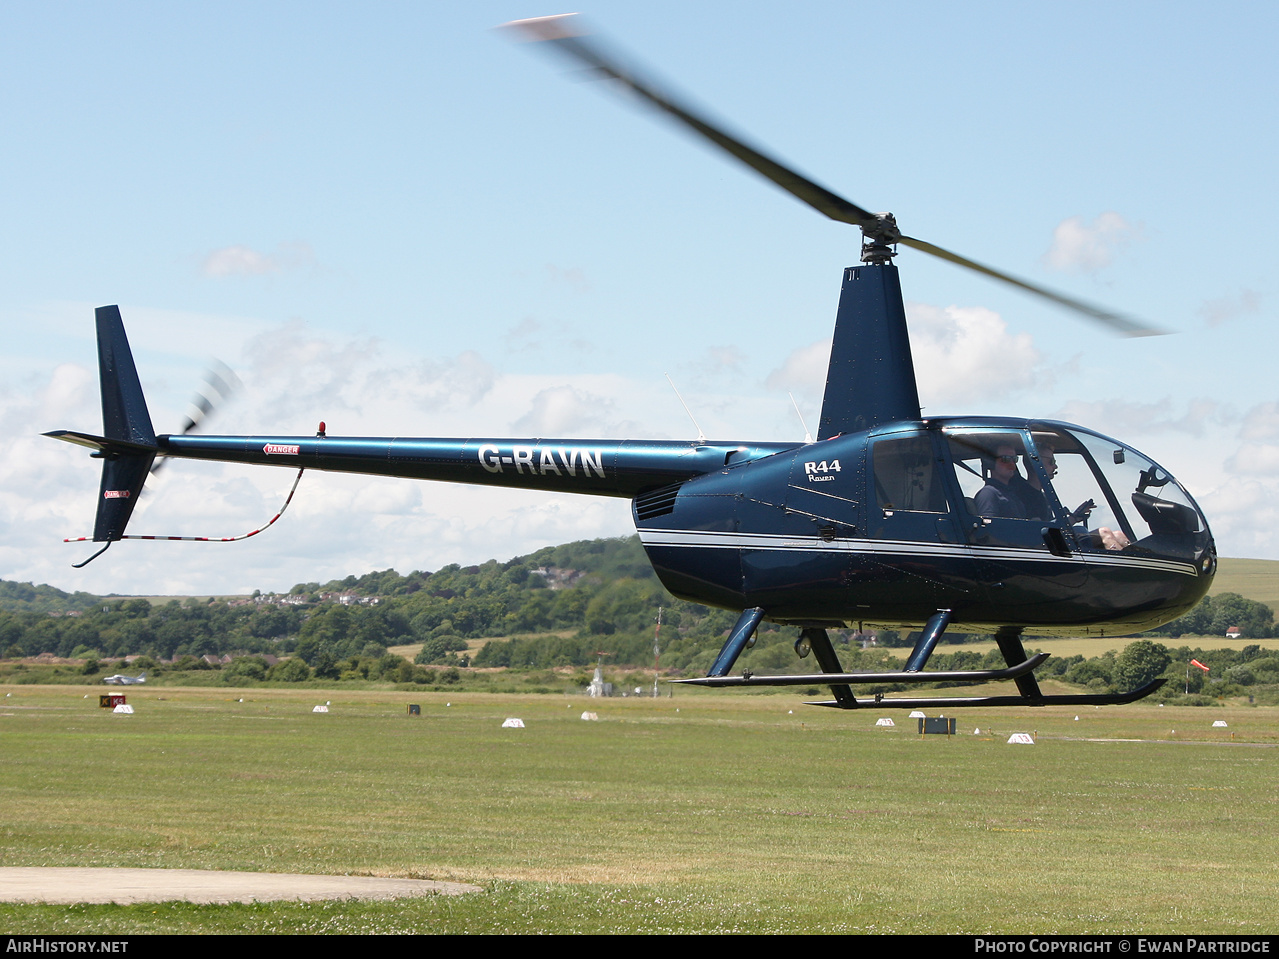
[1107, 496]
[1040, 486]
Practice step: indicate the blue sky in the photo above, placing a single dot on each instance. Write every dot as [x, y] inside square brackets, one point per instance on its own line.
[397, 220]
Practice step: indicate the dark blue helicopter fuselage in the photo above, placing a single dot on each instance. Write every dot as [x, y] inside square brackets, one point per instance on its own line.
[812, 534]
[804, 535]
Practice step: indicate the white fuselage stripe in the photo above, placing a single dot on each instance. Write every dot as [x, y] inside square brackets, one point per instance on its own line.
[703, 539]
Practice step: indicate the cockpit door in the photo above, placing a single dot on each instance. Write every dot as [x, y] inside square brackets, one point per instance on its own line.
[914, 554]
[909, 499]
[1013, 518]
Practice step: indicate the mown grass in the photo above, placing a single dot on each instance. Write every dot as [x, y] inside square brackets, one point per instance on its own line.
[702, 813]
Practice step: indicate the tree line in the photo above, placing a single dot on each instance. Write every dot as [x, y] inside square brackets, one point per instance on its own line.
[566, 605]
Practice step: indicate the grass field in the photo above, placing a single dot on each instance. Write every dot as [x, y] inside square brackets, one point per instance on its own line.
[702, 813]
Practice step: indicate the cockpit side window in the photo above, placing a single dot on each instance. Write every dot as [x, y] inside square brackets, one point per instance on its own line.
[906, 475]
[988, 467]
[1089, 505]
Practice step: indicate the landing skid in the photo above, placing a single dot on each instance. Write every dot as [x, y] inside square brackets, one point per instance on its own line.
[955, 702]
[825, 679]
[1020, 670]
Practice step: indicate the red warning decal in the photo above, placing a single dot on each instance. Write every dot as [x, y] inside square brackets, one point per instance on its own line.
[115, 494]
[281, 448]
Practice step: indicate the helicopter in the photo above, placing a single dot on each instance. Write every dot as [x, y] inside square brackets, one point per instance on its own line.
[887, 519]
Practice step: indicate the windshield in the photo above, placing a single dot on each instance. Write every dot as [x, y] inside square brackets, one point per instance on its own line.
[1115, 497]
[1106, 495]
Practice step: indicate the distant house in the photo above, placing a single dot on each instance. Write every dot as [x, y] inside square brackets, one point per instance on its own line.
[1233, 632]
[556, 577]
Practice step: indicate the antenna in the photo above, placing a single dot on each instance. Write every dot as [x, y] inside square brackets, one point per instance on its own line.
[657, 652]
[808, 437]
[701, 437]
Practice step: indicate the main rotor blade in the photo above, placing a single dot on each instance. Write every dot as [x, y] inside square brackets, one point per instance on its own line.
[567, 34]
[564, 32]
[1117, 322]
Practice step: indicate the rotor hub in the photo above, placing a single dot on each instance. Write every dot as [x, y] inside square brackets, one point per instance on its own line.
[879, 239]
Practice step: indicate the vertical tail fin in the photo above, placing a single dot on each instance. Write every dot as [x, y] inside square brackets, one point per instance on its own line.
[124, 417]
[871, 378]
[124, 408]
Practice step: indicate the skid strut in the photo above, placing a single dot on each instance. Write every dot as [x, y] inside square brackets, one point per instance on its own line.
[824, 653]
[738, 638]
[1009, 640]
[927, 641]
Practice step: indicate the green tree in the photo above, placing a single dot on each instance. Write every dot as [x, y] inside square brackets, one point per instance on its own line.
[1139, 663]
[292, 670]
[245, 671]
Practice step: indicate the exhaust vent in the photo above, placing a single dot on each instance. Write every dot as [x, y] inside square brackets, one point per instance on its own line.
[656, 502]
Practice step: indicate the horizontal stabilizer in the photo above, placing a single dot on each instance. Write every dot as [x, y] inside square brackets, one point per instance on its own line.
[102, 444]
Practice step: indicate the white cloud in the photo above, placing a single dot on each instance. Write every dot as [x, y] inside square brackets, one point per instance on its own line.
[803, 371]
[965, 355]
[565, 410]
[1261, 422]
[1088, 247]
[1243, 514]
[532, 335]
[1216, 312]
[523, 336]
[1196, 417]
[337, 523]
[340, 524]
[294, 372]
[1261, 459]
[241, 260]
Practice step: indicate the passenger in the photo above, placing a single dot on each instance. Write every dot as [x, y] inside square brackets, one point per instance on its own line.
[999, 497]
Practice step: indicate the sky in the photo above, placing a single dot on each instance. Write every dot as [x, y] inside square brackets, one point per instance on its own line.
[394, 219]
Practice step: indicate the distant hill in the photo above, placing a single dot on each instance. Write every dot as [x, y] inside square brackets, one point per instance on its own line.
[26, 598]
[1255, 579]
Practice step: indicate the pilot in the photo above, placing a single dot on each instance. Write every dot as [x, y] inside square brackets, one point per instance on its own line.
[1031, 490]
[999, 497]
